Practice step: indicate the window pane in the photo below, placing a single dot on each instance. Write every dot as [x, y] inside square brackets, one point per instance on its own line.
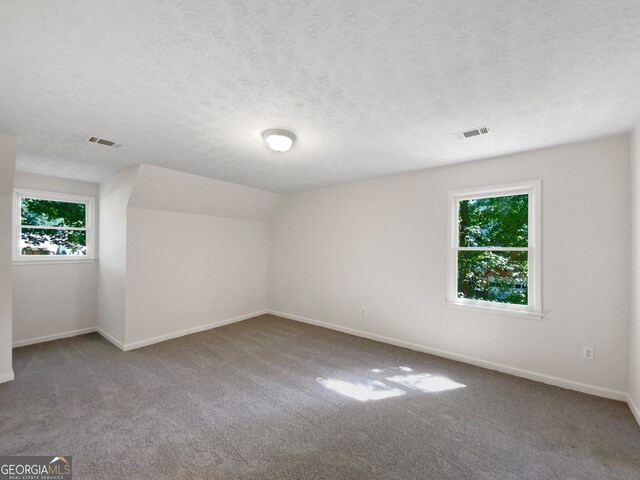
[494, 222]
[493, 276]
[40, 241]
[48, 213]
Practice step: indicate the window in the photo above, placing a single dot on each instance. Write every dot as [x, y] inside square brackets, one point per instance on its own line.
[53, 226]
[494, 260]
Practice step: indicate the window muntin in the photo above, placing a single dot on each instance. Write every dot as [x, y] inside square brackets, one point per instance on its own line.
[495, 237]
[53, 226]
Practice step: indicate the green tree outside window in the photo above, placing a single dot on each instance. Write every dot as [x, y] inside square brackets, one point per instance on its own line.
[51, 227]
[487, 229]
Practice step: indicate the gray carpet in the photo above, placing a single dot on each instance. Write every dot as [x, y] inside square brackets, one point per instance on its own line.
[269, 398]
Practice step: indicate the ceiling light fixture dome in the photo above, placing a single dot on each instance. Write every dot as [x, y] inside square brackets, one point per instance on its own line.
[279, 140]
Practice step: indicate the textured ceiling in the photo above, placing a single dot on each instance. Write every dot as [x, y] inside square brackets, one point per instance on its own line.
[369, 87]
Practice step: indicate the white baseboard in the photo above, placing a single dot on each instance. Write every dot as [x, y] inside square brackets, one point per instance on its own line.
[55, 336]
[634, 409]
[188, 331]
[6, 377]
[518, 372]
[139, 344]
[548, 379]
[110, 338]
[71, 333]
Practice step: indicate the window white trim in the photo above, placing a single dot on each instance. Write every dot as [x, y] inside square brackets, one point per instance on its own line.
[19, 193]
[532, 189]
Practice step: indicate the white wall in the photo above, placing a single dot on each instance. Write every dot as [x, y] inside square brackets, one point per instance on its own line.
[112, 233]
[197, 249]
[53, 299]
[7, 165]
[634, 333]
[186, 271]
[381, 244]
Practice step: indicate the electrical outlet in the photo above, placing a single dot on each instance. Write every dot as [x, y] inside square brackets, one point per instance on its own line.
[363, 312]
[587, 352]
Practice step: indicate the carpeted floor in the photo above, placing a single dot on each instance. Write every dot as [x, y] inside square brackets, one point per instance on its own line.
[273, 398]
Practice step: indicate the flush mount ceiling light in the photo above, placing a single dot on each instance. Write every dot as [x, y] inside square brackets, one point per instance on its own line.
[279, 140]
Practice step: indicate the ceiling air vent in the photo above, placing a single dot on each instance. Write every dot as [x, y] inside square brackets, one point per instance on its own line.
[103, 141]
[472, 133]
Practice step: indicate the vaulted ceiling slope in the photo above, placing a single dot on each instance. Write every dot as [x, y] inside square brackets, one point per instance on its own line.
[369, 87]
[166, 190]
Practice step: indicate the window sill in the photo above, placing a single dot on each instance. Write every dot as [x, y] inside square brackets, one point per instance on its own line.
[57, 261]
[496, 311]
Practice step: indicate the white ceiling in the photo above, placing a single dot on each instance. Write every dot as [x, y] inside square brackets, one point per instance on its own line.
[369, 87]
